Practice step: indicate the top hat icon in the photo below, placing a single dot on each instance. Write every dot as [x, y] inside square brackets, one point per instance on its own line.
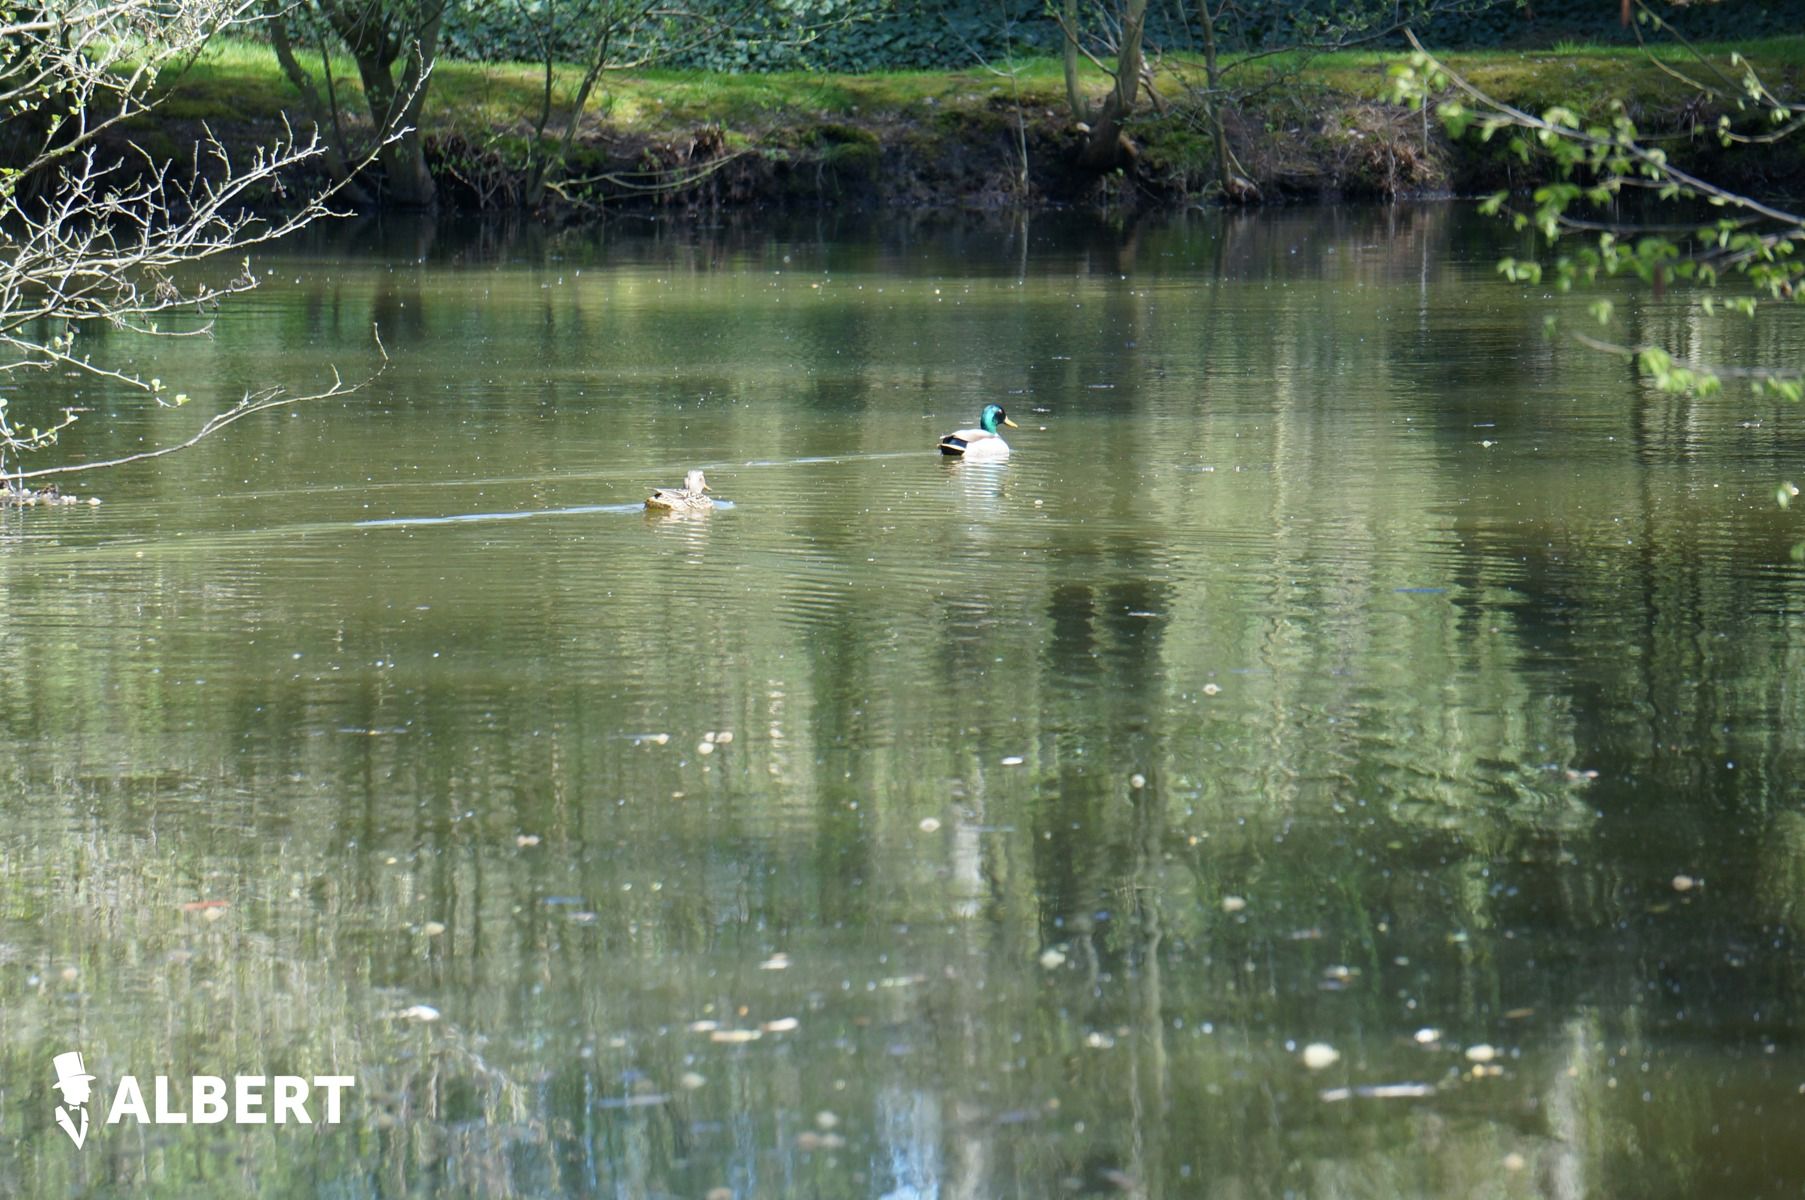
[70, 1070]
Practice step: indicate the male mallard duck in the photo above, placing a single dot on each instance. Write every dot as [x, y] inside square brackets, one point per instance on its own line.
[691, 497]
[983, 444]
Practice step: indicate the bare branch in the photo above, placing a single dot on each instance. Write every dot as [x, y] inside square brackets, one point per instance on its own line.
[95, 231]
[252, 404]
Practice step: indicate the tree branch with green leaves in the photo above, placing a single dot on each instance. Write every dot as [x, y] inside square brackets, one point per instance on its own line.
[1743, 244]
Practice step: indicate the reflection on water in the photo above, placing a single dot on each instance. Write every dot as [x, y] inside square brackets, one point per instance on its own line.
[1336, 662]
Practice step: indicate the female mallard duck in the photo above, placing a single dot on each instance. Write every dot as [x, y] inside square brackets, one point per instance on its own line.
[983, 444]
[691, 497]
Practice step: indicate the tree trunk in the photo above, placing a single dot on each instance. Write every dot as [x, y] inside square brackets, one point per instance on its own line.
[408, 183]
[417, 191]
[1081, 108]
[1108, 147]
[324, 113]
[376, 48]
[1227, 176]
[548, 164]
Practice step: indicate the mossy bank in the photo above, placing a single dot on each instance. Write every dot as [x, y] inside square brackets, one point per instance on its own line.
[985, 138]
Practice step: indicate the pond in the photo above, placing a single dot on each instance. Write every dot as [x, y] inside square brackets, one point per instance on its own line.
[1352, 747]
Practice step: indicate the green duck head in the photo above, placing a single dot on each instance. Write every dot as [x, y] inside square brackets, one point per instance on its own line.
[992, 414]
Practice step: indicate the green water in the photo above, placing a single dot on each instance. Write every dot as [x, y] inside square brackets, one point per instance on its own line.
[1337, 661]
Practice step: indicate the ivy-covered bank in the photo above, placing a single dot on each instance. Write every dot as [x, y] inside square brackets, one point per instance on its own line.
[993, 136]
[858, 36]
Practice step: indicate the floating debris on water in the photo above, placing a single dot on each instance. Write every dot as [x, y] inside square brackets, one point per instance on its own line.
[1233, 904]
[929, 825]
[1320, 1055]
[1482, 1053]
[1378, 1091]
[524, 840]
[1427, 1036]
[777, 962]
[1212, 689]
[781, 1025]
[734, 1037]
[691, 1080]
[433, 928]
[1337, 977]
[1014, 760]
[1052, 957]
[23, 497]
[1684, 883]
[419, 1012]
[1137, 781]
[645, 1101]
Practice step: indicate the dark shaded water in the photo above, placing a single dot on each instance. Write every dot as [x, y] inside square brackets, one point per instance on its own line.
[1338, 664]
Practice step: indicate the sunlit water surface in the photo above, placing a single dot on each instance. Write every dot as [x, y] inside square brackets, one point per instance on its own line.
[1352, 748]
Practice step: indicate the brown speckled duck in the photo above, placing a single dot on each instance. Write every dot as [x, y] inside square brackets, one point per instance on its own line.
[691, 497]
